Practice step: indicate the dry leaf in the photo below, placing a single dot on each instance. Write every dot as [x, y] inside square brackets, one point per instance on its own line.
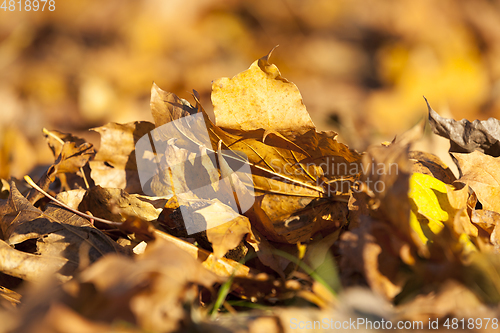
[70, 160]
[482, 174]
[166, 106]
[115, 165]
[465, 137]
[60, 236]
[115, 204]
[260, 98]
[430, 164]
[226, 236]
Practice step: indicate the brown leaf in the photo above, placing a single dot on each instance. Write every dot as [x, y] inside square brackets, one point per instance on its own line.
[385, 180]
[292, 219]
[430, 164]
[58, 234]
[155, 291]
[279, 166]
[482, 173]
[289, 185]
[166, 106]
[28, 266]
[464, 136]
[260, 98]
[115, 204]
[70, 160]
[54, 139]
[115, 164]
[369, 253]
[226, 236]
[221, 266]
[490, 222]
[71, 198]
[264, 251]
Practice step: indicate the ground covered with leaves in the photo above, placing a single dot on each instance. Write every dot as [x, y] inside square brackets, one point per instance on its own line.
[315, 236]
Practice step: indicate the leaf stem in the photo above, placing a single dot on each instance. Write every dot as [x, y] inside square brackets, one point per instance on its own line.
[35, 186]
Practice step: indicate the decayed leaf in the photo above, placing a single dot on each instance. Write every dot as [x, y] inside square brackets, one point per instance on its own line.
[482, 173]
[464, 136]
[115, 164]
[59, 235]
[260, 98]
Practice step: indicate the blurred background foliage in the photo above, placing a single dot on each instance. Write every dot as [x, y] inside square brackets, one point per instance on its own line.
[362, 66]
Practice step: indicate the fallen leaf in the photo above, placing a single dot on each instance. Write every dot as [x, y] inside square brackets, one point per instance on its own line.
[4, 189]
[260, 98]
[481, 173]
[279, 168]
[223, 267]
[466, 137]
[430, 164]
[30, 267]
[265, 251]
[226, 236]
[70, 160]
[155, 291]
[115, 204]
[60, 236]
[488, 221]
[166, 106]
[56, 139]
[115, 164]
[369, 256]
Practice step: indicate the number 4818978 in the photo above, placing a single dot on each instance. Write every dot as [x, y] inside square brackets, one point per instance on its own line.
[29, 5]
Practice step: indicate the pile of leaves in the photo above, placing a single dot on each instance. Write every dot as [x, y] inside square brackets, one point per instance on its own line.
[331, 233]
